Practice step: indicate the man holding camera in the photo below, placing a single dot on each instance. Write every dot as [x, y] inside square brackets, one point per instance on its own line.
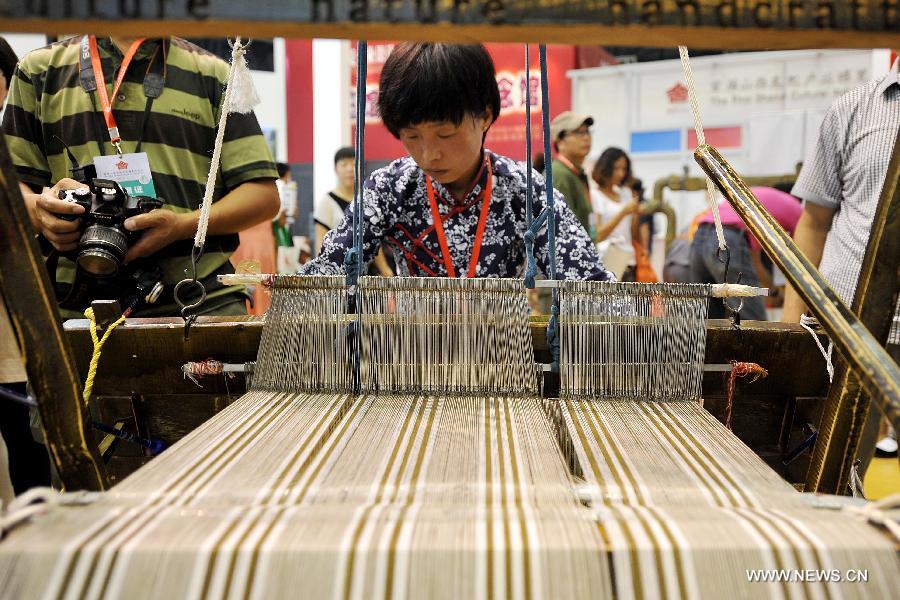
[141, 113]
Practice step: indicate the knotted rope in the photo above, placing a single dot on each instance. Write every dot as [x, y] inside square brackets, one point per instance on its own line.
[808, 323]
[701, 140]
[240, 97]
[98, 348]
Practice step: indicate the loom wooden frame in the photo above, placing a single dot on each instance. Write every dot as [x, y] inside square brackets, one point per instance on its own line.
[32, 308]
[860, 333]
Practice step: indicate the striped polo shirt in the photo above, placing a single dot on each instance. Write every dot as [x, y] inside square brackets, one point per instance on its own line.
[46, 99]
[845, 172]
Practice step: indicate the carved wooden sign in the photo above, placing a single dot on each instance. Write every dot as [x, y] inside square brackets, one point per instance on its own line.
[726, 23]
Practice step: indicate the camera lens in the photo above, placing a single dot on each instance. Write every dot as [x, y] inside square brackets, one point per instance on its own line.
[102, 250]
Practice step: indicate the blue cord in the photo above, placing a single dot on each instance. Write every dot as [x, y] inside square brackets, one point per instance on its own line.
[548, 163]
[353, 259]
[552, 325]
[533, 224]
[530, 266]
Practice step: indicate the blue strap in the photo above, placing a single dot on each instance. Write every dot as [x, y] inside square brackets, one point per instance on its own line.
[552, 327]
[353, 260]
[530, 265]
[548, 162]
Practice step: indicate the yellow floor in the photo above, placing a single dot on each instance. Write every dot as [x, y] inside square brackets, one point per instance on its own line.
[882, 478]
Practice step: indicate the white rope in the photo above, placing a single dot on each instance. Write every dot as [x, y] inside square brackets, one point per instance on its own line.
[36, 501]
[235, 100]
[808, 323]
[857, 488]
[877, 513]
[701, 139]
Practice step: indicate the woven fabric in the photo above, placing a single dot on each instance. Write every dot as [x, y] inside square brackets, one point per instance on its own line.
[431, 494]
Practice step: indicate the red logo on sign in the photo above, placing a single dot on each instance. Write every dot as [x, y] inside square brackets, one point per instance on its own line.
[121, 165]
[677, 93]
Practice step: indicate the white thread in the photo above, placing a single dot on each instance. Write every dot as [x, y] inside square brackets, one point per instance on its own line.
[36, 501]
[877, 513]
[808, 323]
[236, 100]
[701, 140]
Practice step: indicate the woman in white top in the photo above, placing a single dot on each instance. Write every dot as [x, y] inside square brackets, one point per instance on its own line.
[614, 204]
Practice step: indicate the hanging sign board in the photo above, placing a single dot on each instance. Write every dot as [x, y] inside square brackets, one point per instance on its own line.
[700, 23]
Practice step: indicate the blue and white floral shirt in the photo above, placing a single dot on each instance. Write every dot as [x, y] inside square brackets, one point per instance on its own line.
[398, 216]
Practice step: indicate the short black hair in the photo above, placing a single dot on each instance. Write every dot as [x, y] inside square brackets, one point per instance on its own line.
[282, 169]
[603, 168]
[423, 82]
[8, 61]
[342, 153]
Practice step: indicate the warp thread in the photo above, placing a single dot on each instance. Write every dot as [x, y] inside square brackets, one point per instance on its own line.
[632, 340]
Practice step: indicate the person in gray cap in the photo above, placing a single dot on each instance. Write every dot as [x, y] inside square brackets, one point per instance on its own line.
[571, 135]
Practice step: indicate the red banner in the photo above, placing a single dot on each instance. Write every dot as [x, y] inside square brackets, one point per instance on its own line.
[298, 87]
[507, 135]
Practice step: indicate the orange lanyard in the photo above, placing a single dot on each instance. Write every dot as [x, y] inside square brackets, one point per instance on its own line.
[479, 233]
[565, 161]
[101, 86]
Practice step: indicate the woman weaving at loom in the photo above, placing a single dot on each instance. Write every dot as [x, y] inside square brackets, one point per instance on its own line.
[451, 208]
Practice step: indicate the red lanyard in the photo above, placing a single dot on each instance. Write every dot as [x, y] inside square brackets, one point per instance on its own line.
[101, 85]
[479, 233]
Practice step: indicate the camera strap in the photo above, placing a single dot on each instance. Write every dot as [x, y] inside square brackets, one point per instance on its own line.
[90, 74]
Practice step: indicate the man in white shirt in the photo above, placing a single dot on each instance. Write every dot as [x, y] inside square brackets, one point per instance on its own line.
[840, 185]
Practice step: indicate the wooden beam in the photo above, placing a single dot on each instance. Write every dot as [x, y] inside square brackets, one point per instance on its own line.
[145, 355]
[847, 407]
[712, 38]
[11, 368]
[48, 361]
[748, 24]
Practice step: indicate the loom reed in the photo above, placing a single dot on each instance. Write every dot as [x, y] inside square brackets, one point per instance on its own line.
[632, 340]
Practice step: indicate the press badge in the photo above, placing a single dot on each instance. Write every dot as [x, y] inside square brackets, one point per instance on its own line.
[131, 171]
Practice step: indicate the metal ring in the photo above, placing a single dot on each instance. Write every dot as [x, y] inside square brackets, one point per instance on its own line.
[188, 307]
[734, 310]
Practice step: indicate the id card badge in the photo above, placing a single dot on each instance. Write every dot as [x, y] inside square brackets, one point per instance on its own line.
[131, 171]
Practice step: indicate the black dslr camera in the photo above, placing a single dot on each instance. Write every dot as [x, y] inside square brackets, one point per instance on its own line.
[99, 272]
[105, 240]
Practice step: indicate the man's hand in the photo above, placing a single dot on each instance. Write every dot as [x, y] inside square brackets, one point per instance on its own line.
[161, 227]
[44, 210]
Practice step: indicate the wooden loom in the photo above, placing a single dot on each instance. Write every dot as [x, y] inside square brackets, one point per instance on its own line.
[129, 384]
